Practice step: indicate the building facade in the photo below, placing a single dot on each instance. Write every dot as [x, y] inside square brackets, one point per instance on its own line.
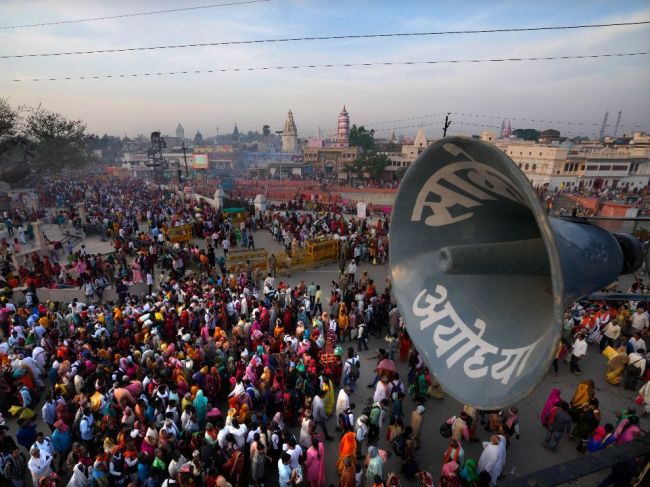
[290, 134]
[330, 160]
[403, 160]
[343, 129]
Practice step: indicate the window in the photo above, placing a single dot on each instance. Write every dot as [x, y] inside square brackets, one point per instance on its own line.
[591, 167]
[520, 165]
[566, 167]
[605, 168]
[619, 168]
[526, 167]
[540, 153]
[582, 168]
[534, 167]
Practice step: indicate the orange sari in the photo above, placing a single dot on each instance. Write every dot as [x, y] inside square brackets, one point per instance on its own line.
[347, 448]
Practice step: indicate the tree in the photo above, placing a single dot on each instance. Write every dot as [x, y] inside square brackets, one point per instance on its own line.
[526, 134]
[8, 119]
[39, 142]
[360, 137]
[373, 165]
[59, 143]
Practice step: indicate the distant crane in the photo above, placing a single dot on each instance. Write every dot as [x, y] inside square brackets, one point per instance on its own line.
[446, 125]
[601, 136]
[618, 122]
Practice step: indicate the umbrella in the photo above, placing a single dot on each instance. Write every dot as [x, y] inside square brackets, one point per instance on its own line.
[387, 365]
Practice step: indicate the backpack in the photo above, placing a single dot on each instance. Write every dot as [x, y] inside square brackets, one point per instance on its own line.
[344, 421]
[354, 368]
[399, 445]
[395, 390]
[445, 430]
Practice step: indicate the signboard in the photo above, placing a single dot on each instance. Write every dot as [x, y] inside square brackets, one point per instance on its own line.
[199, 161]
[361, 209]
[182, 233]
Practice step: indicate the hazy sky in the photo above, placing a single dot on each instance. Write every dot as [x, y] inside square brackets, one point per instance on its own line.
[559, 91]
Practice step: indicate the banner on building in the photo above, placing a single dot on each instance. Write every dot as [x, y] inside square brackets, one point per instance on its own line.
[361, 209]
[199, 161]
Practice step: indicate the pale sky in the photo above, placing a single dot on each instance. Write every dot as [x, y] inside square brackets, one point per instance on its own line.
[558, 91]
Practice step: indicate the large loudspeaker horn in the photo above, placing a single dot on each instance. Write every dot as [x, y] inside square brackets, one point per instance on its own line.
[482, 276]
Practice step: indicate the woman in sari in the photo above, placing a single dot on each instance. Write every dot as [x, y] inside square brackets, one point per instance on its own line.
[315, 464]
[552, 400]
[344, 321]
[616, 367]
[468, 474]
[347, 449]
[583, 395]
[201, 406]
[347, 478]
[374, 465]
[601, 438]
[404, 346]
[587, 422]
[328, 398]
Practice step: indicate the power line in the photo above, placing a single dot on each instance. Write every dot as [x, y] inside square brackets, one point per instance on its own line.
[521, 119]
[321, 38]
[341, 65]
[135, 14]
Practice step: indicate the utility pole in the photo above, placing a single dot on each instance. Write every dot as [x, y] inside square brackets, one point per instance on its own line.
[447, 124]
[184, 149]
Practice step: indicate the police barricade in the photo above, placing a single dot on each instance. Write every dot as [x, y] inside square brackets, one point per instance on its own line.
[182, 233]
[296, 260]
[258, 258]
[322, 251]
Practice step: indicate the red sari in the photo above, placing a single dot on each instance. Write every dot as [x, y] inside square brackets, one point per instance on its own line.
[404, 347]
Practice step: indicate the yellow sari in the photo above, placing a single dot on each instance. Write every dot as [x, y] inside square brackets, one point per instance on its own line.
[584, 393]
[616, 367]
[328, 399]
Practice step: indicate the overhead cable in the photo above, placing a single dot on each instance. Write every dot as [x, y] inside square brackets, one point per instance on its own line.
[338, 65]
[134, 14]
[320, 38]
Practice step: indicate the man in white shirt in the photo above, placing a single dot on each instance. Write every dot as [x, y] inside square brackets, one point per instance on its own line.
[352, 270]
[635, 368]
[579, 350]
[269, 282]
[611, 333]
[39, 465]
[239, 431]
[640, 320]
[295, 451]
[226, 246]
[44, 444]
[637, 342]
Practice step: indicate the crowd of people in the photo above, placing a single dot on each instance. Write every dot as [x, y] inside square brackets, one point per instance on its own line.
[200, 381]
[213, 378]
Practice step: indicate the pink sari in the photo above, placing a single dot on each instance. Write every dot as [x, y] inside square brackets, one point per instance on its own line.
[553, 398]
[315, 466]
